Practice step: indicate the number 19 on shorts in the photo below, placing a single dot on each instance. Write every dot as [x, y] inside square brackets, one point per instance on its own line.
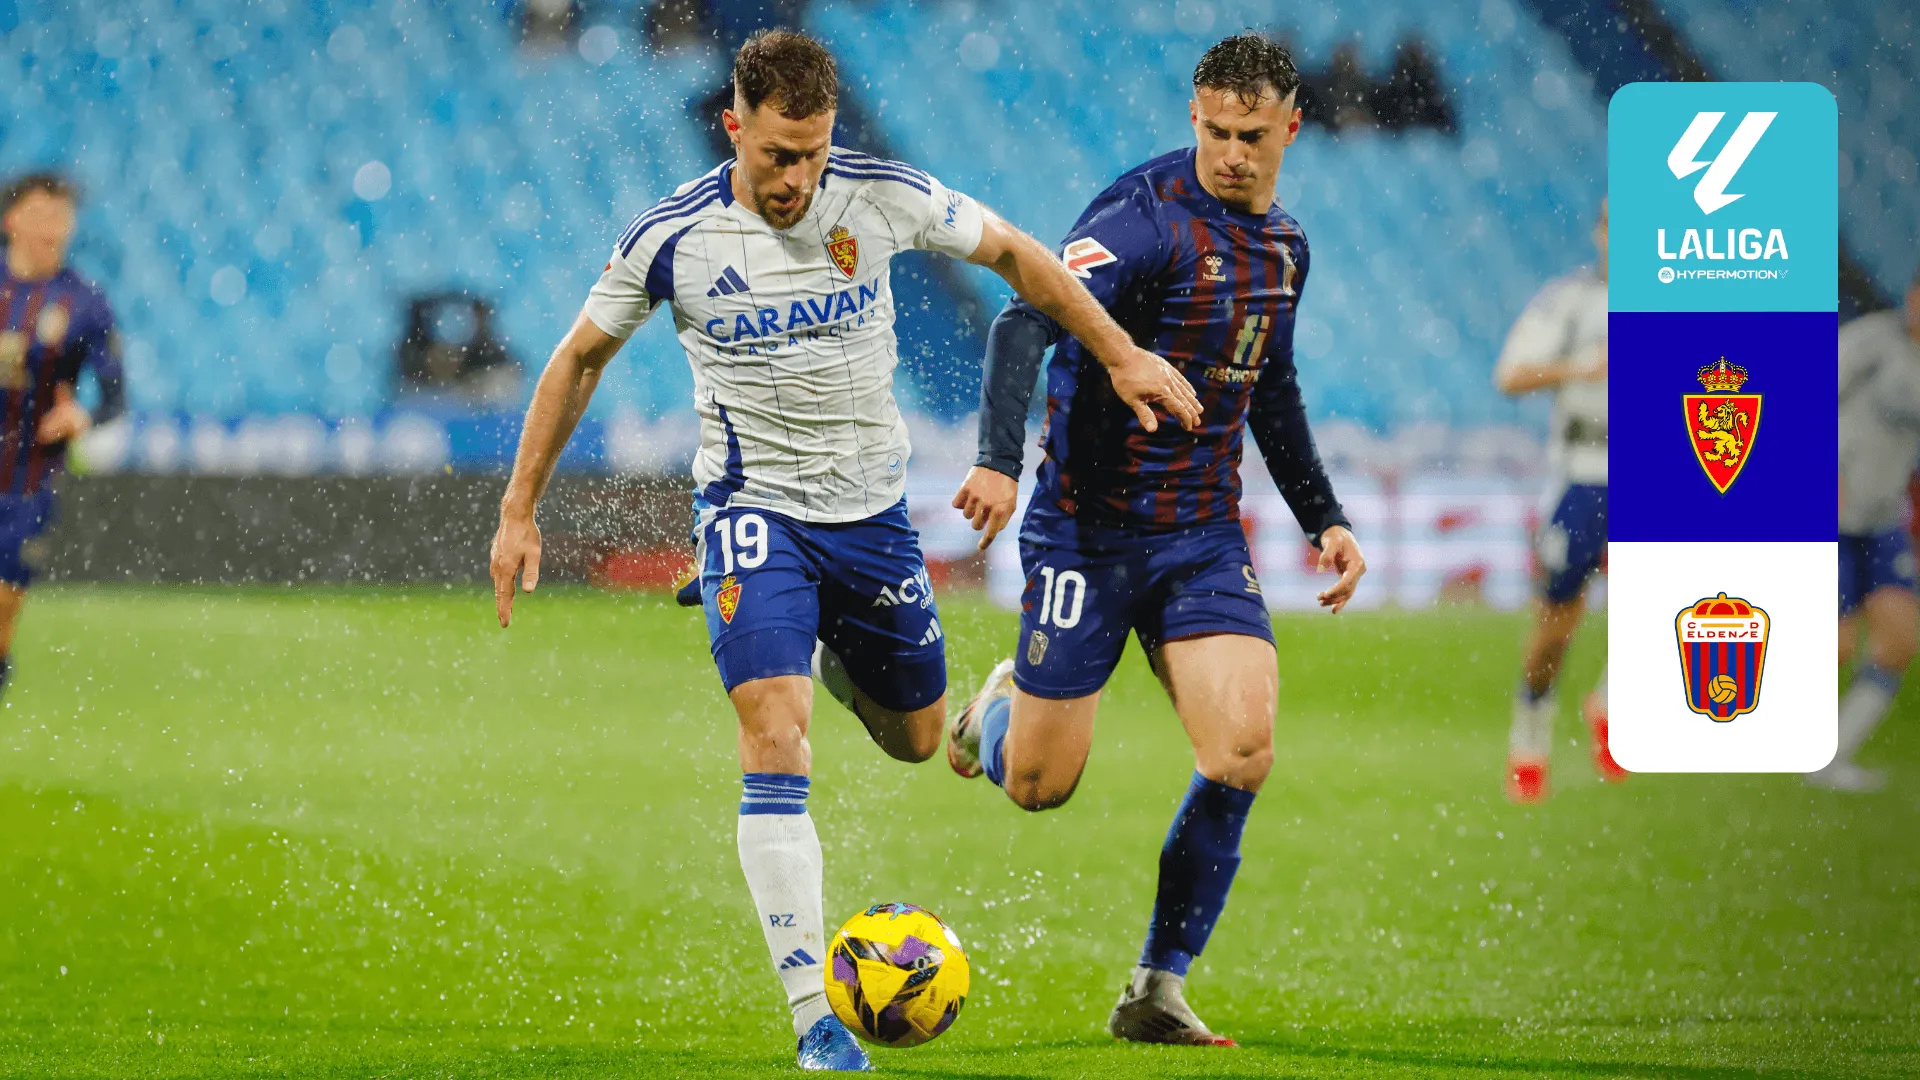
[749, 532]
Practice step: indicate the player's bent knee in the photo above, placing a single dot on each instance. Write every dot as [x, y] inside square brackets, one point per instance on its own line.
[1037, 794]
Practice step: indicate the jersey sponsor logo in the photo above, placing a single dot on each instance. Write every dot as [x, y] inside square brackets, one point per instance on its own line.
[728, 283]
[52, 327]
[1084, 254]
[1722, 423]
[727, 599]
[953, 209]
[1213, 263]
[1723, 651]
[917, 589]
[1711, 192]
[844, 249]
[806, 313]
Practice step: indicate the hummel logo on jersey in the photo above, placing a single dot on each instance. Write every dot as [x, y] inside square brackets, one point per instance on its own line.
[1711, 191]
[728, 283]
[1084, 254]
[797, 958]
[933, 633]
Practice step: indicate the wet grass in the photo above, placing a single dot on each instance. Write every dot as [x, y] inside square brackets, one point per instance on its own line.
[363, 833]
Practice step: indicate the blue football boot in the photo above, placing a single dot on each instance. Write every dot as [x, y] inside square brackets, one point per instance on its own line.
[829, 1047]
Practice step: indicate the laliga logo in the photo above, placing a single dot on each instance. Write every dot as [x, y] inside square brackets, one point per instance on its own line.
[1711, 191]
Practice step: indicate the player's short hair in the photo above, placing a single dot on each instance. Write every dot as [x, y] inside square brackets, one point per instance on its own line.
[47, 183]
[1248, 65]
[790, 70]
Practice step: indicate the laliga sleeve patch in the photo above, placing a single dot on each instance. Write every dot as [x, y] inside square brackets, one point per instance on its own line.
[1084, 254]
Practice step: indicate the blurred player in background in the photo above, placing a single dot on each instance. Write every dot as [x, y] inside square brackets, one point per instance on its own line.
[53, 324]
[1559, 344]
[1135, 525]
[1879, 444]
[776, 267]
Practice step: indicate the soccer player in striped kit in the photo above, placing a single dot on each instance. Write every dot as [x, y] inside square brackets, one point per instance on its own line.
[1559, 345]
[775, 266]
[1134, 525]
[53, 324]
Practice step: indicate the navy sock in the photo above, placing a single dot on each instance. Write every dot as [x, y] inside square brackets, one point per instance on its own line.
[1532, 698]
[1197, 864]
[993, 739]
[6, 672]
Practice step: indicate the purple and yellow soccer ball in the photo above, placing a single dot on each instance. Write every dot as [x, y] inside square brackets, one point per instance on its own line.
[896, 975]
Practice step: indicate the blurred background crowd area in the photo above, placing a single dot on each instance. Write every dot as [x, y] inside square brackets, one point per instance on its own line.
[341, 237]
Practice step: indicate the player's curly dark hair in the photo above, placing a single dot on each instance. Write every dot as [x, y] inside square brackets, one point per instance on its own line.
[48, 183]
[791, 70]
[1247, 65]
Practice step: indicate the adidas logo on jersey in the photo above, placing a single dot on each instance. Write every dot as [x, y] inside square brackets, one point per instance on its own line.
[933, 633]
[728, 283]
[796, 959]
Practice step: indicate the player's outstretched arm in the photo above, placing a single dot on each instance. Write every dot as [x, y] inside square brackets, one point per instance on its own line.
[1142, 379]
[559, 399]
[1016, 343]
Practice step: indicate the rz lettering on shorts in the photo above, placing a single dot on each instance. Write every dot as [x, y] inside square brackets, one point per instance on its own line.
[780, 920]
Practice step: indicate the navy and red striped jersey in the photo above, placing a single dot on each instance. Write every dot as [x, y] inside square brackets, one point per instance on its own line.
[49, 330]
[1214, 291]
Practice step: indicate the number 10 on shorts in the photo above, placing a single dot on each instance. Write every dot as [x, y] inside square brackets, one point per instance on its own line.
[1062, 594]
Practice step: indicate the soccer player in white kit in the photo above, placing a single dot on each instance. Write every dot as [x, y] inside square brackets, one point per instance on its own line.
[775, 266]
[1879, 442]
[1559, 343]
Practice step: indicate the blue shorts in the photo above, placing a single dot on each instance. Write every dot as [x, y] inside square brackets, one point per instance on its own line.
[1875, 561]
[771, 585]
[23, 521]
[1574, 541]
[1088, 587]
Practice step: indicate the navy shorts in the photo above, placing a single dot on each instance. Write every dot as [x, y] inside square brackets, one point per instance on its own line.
[1574, 541]
[1088, 587]
[1875, 561]
[771, 585]
[23, 522]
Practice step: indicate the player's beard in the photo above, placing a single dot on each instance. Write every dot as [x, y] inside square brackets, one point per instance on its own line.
[776, 217]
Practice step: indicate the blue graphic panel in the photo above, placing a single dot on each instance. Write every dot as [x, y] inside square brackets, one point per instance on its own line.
[1787, 487]
[1724, 197]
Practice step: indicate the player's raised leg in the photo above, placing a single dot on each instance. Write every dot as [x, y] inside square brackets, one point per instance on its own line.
[1224, 688]
[882, 651]
[1030, 727]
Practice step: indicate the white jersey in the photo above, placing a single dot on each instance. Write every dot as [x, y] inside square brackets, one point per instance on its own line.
[1566, 322]
[789, 332]
[1879, 421]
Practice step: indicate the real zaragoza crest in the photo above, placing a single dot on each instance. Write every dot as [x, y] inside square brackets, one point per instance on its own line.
[844, 248]
[1723, 650]
[1722, 423]
[727, 599]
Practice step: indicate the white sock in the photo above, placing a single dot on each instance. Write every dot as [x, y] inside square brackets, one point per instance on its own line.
[1532, 733]
[832, 674]
[1863, 706]
[780, 853]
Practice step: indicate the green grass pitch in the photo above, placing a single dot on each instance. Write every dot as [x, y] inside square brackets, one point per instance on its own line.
[365, 833]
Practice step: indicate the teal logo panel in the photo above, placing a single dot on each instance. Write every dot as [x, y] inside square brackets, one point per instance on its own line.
[1723, 197]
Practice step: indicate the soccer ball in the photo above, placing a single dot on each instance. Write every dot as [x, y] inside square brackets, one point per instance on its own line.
[1722, 688]
[896, 975]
